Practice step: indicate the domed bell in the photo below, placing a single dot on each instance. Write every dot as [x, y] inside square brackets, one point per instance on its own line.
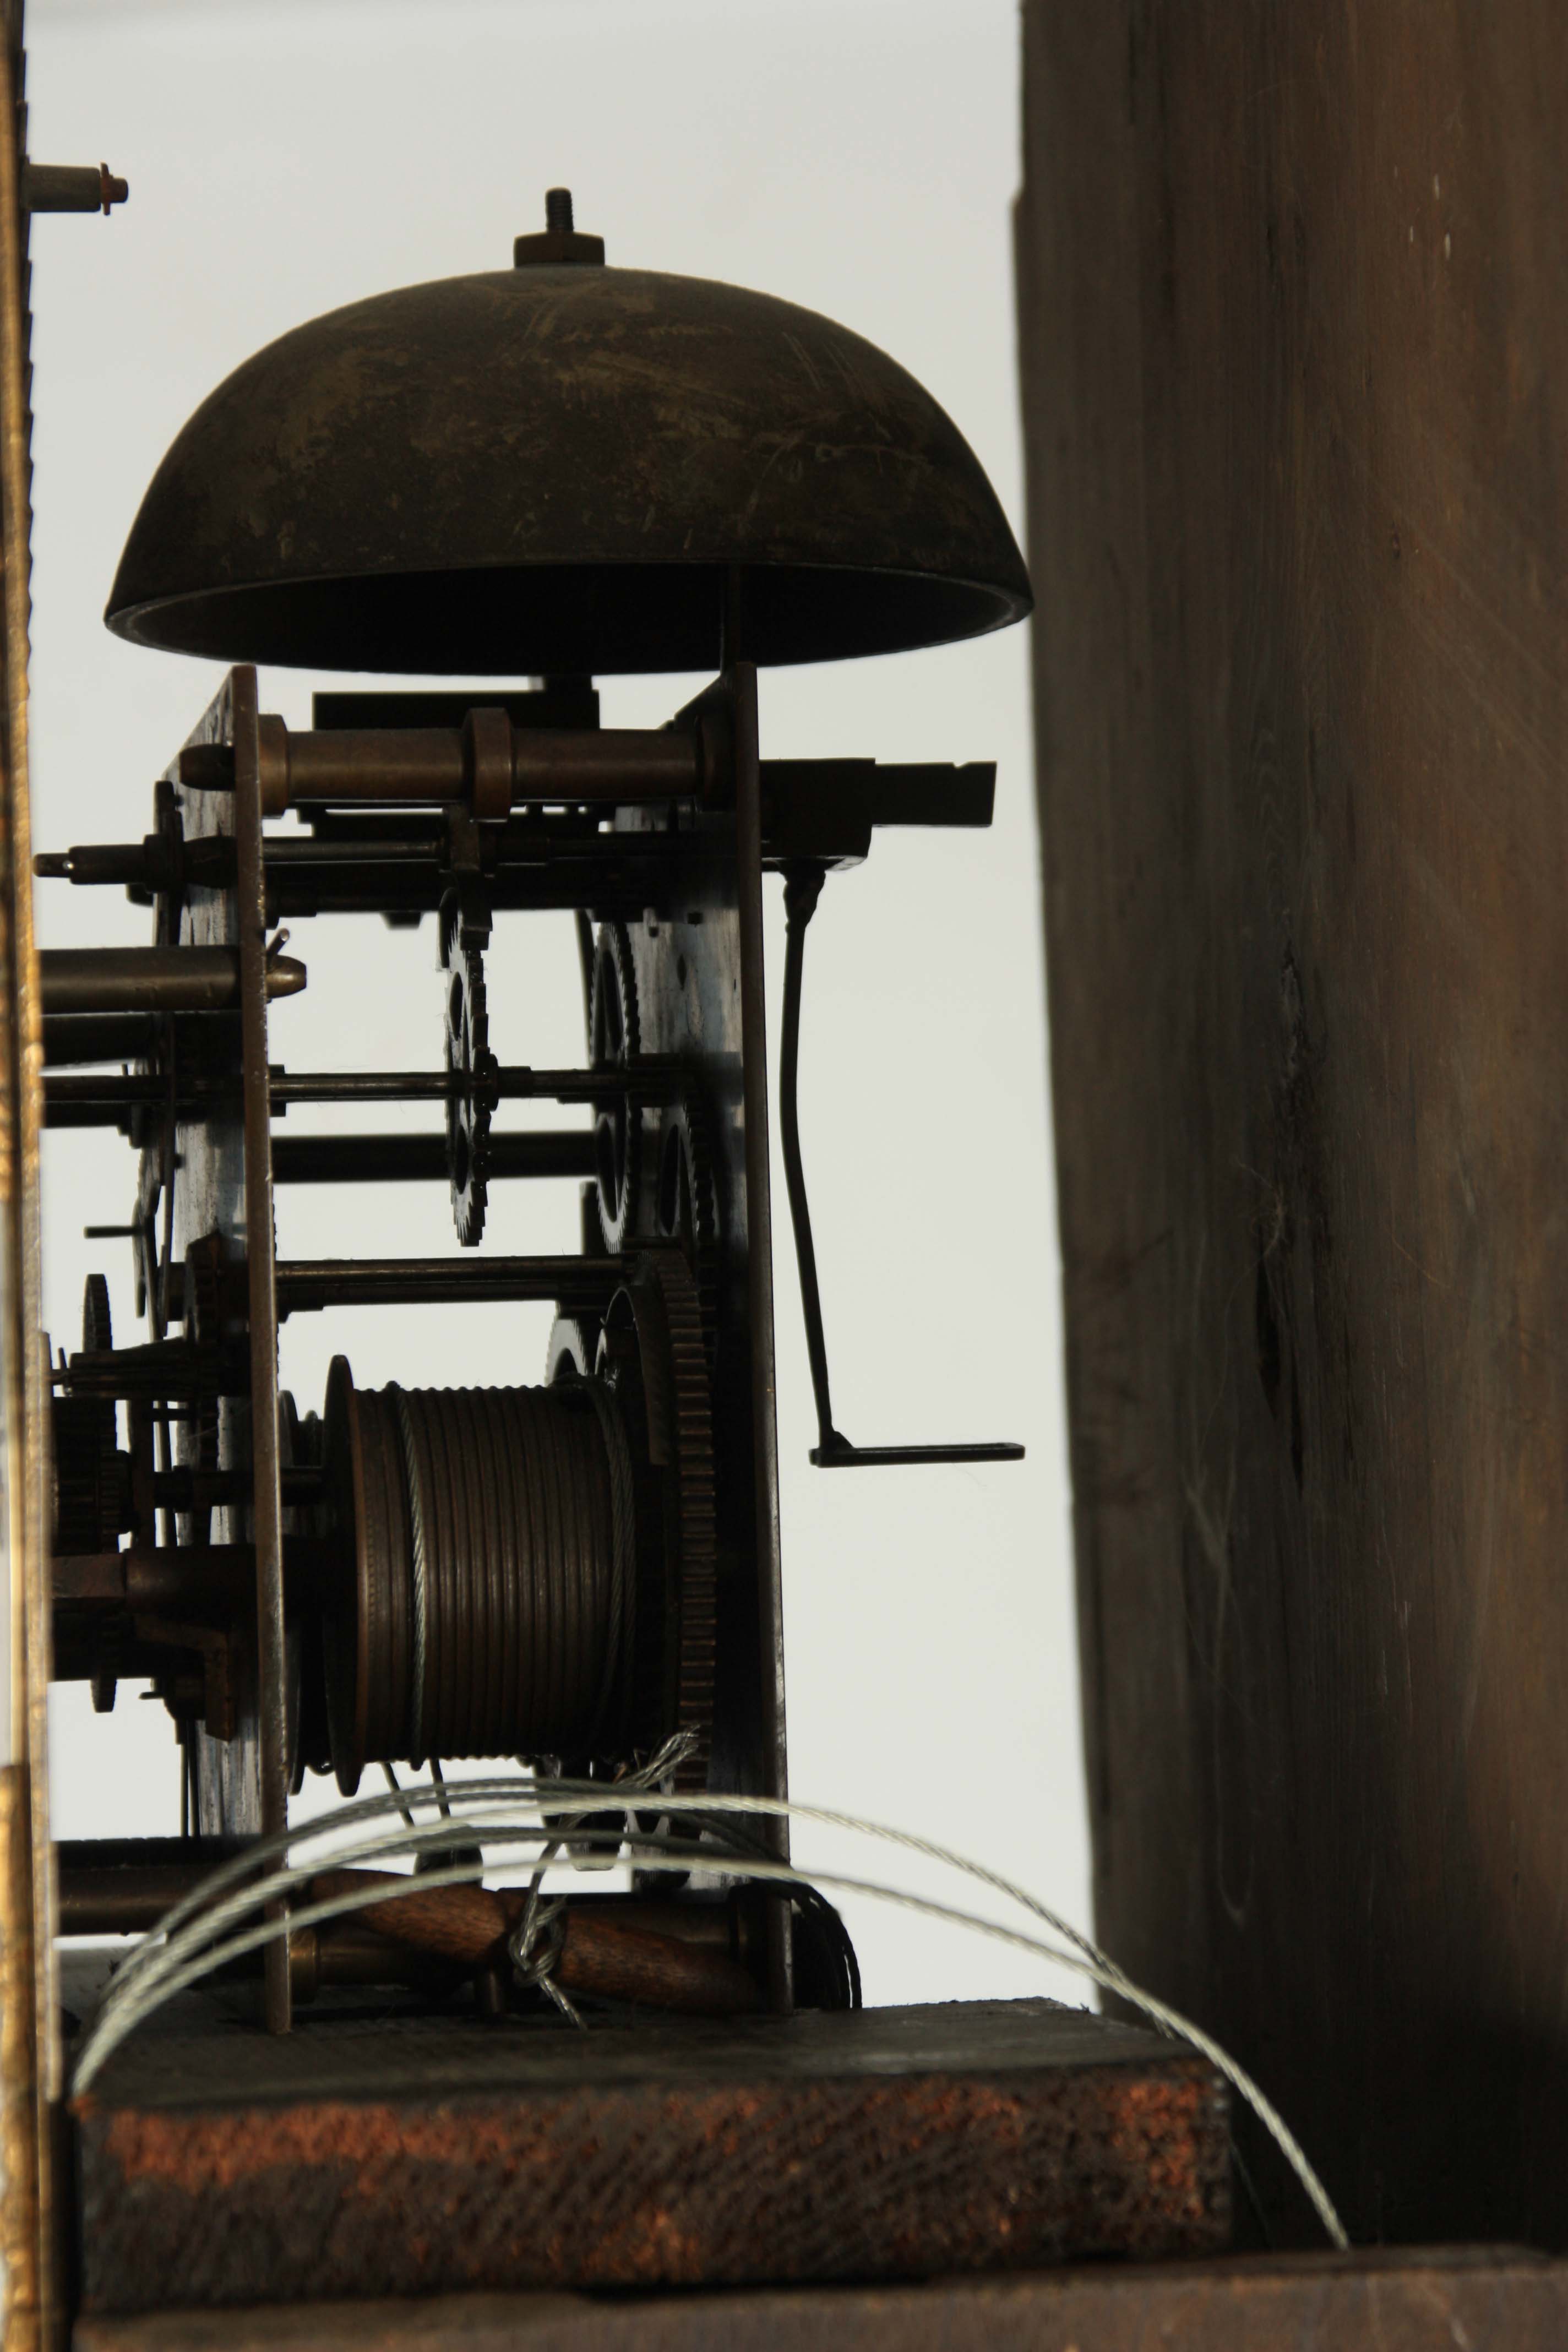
[553, 468]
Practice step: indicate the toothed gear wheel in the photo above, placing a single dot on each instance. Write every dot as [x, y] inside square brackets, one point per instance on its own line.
[573, 1348]
[89, 1486]
[196, 1442]
[204, 1291]
[678, 1398]
[97, 1324]
[687, 1205]
[615, 1042]
[470, 1062]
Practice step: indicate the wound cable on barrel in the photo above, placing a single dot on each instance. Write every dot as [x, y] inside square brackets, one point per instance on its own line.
[406, 1809]
[512, 1629]
[418, 1578]
[623, 1581]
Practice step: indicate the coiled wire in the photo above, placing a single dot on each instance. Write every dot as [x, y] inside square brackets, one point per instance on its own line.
[521, 1547]
[194, 1937]
[624, 1562]
[419, 1584]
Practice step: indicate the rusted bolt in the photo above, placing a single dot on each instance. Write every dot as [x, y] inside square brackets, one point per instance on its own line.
[72, 188]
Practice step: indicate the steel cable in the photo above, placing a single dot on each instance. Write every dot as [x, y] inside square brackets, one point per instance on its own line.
[516, 1509]
[159, 1969]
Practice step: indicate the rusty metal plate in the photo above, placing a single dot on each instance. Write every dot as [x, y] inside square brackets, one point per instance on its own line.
[425, 2156]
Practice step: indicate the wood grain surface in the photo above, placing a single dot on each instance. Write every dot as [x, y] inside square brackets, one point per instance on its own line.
[1295, 369]
[1486, 2302]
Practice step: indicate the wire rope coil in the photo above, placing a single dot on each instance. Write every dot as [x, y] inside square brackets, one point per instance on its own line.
[195, 1936]
[486, 1573]
[623, 1580]
[420, 1583]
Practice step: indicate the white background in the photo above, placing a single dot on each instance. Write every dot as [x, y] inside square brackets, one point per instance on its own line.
[859, 157]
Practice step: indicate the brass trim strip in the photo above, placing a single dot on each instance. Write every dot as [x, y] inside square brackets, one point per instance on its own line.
[20, 2234]
[30, 2062]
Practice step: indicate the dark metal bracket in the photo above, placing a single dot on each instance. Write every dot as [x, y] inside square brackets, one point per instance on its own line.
[804, 879]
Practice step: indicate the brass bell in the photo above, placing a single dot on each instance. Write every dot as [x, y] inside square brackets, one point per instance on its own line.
[553, 468]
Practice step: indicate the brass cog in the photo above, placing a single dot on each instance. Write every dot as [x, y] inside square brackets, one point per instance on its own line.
[615, 1042]
[470, 1062]
[90, 1491]
[686, 1202]
[681, 1422]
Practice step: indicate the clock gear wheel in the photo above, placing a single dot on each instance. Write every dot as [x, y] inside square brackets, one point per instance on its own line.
[465, 931]
[615, 1042]
[91, 1482]
[676, 1639]
[687, 1200]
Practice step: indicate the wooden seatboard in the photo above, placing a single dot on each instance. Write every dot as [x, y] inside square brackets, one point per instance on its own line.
[373, 2154]
[1484, 2298]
